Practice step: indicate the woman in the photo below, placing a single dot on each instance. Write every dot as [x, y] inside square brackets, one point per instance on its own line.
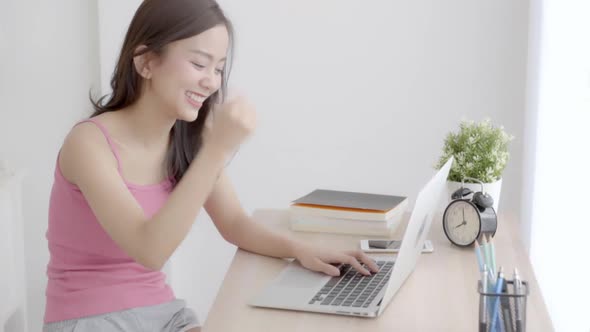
[131, 179]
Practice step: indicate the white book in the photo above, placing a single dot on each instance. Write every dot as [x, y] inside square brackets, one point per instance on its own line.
[335, 222]
[335, 227]
[340, 213]
[311, 223]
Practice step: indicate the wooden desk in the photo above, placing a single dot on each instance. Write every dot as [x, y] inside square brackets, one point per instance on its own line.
[440, 295]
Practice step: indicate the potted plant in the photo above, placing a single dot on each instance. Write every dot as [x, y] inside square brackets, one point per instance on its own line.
[481, 152]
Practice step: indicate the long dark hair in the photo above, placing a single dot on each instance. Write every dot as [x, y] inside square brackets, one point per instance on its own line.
[155, 24]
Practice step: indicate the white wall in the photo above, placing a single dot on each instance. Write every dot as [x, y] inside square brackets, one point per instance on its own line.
[366, 105]
[351, 95]
[359, 95]
[48, 62]
[558, 192]
[13, 307]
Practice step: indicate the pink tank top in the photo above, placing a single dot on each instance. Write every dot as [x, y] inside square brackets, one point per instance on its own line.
[88, 274]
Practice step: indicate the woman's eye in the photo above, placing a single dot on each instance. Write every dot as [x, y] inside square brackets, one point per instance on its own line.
[198, 65]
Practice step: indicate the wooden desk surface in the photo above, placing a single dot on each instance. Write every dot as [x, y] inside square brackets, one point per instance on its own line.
[440, 295]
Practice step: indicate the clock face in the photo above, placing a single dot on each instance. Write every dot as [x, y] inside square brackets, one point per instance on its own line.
[461, 222]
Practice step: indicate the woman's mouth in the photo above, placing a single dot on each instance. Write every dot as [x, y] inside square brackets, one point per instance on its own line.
[194, 99]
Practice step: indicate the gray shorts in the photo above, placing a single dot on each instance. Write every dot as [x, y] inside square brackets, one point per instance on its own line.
[167, 317]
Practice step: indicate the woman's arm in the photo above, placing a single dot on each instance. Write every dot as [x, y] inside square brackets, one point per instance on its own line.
[87, 161]
[236, 227]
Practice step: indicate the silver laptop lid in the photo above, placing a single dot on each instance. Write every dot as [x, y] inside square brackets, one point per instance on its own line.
[418, 226]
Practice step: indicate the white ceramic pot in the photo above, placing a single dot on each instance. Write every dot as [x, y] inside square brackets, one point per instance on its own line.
[493, 189]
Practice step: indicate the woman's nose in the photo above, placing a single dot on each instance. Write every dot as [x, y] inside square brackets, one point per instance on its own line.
[208, 81]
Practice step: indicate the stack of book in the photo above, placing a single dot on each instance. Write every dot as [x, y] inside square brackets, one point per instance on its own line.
[344, 212]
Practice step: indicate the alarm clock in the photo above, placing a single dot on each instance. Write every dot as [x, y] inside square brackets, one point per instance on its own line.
[466, 219]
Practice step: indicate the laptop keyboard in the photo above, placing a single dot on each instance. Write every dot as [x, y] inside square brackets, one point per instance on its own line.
[353, 289]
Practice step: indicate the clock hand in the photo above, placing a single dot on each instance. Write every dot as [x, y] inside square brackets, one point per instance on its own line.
[461, 224]
[464, 214]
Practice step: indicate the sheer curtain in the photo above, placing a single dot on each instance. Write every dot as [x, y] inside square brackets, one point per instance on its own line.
[557, 160]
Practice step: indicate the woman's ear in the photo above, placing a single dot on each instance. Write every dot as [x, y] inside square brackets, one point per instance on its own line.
[142, 62]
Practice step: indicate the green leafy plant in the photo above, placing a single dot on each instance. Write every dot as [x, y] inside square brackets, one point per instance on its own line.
[480, 151]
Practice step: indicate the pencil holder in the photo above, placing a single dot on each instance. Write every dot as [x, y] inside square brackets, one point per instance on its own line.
[505, 311]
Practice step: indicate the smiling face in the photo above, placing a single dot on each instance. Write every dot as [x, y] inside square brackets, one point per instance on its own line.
[188, 72]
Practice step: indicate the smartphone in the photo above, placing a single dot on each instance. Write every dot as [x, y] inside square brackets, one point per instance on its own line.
[385, 246]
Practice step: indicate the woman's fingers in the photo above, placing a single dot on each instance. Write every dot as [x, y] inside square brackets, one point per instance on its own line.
[320, 266]
[325, 262]
[352, 261]
[361, 256]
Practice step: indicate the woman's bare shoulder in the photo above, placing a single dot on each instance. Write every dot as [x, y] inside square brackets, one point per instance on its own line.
[83, 143]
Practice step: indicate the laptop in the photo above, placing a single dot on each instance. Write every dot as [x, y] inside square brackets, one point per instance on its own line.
[351, 293]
